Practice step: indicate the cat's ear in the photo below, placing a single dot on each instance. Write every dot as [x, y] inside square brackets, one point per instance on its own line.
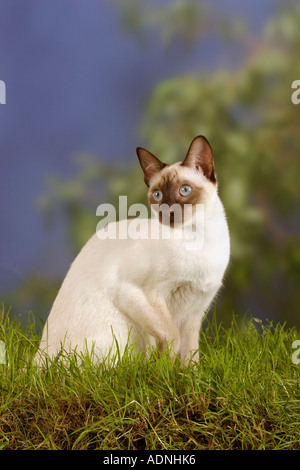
[200, 156]
[149, 163]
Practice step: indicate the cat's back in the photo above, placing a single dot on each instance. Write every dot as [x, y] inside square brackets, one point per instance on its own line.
[101, 258]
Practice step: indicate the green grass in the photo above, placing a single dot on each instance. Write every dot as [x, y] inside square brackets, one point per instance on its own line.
[243, 394]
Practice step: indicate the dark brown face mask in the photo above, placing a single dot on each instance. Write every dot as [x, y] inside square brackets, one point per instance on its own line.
[172, 196]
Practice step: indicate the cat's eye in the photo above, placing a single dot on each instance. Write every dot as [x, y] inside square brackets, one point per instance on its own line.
[185, 190]
[157, 196]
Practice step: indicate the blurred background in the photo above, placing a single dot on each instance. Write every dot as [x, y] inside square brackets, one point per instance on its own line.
[89, 81]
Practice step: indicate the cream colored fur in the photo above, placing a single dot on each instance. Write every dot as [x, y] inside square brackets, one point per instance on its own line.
[141, 290]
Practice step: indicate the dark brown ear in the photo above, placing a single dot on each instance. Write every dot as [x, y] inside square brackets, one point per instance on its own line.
[149, 163]
[200, 156]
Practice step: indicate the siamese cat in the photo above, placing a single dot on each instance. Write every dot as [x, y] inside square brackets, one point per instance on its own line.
[151, 290]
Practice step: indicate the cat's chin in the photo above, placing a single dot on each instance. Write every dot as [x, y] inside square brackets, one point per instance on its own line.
[174, 220]
[172, 223]
[170, 219]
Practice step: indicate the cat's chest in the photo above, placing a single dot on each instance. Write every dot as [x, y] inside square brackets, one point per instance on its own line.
[191, 274]
[188, 298]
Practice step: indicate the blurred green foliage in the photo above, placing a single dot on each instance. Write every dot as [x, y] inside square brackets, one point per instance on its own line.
[247, 115]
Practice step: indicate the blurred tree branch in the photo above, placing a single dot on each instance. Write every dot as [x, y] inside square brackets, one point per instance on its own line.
[177, 21]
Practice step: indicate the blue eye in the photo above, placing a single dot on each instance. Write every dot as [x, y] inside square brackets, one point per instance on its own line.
[185, 190]
[157, 196]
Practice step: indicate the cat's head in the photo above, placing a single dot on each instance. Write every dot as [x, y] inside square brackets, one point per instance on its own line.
[172, 188]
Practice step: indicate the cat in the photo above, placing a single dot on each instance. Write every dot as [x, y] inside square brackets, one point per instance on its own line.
[153, 290]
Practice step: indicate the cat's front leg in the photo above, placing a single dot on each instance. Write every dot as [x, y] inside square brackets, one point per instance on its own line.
[149, 312]
[189, 334]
